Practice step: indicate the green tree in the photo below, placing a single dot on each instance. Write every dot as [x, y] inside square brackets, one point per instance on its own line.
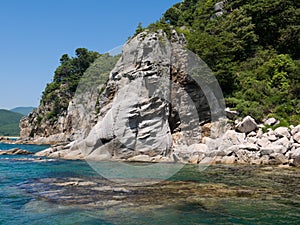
[253, 49]
[139, 29]
[59, 92]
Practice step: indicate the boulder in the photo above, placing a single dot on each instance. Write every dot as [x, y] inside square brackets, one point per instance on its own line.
[228, 160]
[295, 153]
[295, 130]
[231, 150]
[285, 142]
[296, 137]
[266, 151]
[271, 121]
[272, 137]
[269, 149]
[295, 145]
[229, 139]
[259, 133]
[256, 161]
[194, 159]
[252, 140]
[233, 138]
[211, 154]
[263, 142]
[247, 125]
[251, 134]
[212, 144]
[200, 148]
[217, 160]
[296, 161]
[206, 161]
[279, 158]
[282, 132]
[190, 154]
[231, 114]
[73, 155]
[245, 157]
[219, 128]
[45, 152]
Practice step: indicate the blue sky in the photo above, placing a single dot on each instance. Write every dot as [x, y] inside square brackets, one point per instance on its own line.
[35, 33]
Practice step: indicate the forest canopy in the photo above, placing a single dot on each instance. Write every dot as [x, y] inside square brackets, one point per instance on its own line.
[251, 46]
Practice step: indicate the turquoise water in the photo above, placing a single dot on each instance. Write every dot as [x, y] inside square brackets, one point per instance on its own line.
[217, 195]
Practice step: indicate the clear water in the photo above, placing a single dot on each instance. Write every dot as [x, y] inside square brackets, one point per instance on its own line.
[217, 195]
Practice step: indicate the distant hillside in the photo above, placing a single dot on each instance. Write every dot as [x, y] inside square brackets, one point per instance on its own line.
[9, 123]
[22, 110]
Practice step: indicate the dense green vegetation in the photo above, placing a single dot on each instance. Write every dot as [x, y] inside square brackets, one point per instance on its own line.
[9, 123]
[253, 49]
[60, 91]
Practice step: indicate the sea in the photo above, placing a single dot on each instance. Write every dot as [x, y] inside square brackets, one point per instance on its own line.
[54, 191]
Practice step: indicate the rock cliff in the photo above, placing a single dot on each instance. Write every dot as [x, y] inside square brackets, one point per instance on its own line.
[154, 101]
[70, 120]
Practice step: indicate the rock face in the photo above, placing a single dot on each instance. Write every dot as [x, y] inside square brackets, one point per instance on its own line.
[156, 89]
[152, 96]
[77, 120]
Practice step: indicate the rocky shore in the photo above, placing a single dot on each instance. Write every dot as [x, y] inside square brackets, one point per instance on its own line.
[156, 106]
[246, 144]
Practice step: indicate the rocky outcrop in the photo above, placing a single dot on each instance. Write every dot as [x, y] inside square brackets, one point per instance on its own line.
[15, 151]
[156, 106]
[153, 97]
[219, 8]
[156, 90]
[31, 129]
[77, 119]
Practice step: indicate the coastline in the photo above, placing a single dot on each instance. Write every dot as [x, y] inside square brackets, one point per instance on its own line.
[246, 143]
[274, 147]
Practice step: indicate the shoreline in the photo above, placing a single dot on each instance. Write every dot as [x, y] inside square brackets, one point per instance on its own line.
[44, 158]
[249, 146]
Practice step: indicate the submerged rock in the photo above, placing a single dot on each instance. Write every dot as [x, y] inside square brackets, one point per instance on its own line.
[225, 183]
[15, 151]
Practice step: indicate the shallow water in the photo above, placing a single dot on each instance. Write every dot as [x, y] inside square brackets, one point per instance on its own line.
[71, 192]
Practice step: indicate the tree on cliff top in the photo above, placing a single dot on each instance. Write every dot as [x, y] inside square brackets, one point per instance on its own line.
[60, 91]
